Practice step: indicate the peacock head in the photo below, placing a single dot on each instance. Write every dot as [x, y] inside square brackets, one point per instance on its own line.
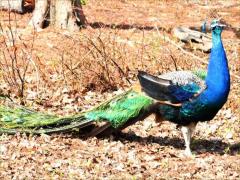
[216, 26]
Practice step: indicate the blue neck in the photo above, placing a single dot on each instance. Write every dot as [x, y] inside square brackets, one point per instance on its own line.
[218, 78]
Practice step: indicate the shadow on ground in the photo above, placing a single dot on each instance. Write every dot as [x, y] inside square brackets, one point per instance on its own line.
[198, 145]
[96, 25]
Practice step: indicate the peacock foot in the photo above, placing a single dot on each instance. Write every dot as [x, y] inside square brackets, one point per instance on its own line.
[188, 152]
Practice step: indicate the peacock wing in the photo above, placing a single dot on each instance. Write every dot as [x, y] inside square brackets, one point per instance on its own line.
[176, 87]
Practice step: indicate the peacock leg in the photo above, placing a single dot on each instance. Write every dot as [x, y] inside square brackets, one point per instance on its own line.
[187, 133]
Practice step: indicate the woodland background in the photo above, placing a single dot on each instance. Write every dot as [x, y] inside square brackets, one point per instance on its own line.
[64, 72]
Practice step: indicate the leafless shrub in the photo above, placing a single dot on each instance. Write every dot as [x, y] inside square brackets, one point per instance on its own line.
[15, 58]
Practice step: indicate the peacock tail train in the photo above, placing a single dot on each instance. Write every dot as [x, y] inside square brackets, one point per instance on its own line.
[116, 111]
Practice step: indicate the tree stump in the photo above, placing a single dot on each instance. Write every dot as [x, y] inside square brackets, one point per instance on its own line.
[39, 14]
[64, 14]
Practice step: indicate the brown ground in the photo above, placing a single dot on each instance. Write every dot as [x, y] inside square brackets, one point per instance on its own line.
[71, 71]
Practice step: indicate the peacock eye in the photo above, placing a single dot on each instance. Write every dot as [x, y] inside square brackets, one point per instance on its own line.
[113, 103]
[214, 28]
[131, 95]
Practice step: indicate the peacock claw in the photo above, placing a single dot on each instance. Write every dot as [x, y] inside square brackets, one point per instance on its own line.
[189, 153]
[186, 154]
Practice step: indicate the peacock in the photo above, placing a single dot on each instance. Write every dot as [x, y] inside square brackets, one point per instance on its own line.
[182, 97]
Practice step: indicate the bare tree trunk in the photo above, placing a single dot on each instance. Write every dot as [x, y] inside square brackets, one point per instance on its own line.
[53, 12]
[39, 14]
[64, 14]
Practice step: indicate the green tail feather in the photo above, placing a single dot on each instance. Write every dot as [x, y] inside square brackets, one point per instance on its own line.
[20, 117]
[116, 111]
[119, 110]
